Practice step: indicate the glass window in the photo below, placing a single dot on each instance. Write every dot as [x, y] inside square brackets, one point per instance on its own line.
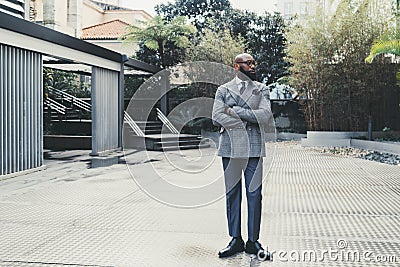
[288, 8]
[303, 8]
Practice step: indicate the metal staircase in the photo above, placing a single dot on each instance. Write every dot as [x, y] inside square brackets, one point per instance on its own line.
[63, 107]
[158, 139]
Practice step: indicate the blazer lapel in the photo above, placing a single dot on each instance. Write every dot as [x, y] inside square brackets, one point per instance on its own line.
[248, 92]
[234, 90]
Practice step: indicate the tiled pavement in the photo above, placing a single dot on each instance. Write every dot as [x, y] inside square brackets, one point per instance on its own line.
[318, 210]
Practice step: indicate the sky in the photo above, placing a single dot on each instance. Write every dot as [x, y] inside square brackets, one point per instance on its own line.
[258, 6]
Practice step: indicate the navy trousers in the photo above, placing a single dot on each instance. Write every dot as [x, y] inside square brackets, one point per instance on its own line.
[252, 169]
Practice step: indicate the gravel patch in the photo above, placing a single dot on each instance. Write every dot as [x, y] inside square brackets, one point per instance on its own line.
[386, 158]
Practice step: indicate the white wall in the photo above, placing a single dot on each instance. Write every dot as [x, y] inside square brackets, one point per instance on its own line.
[127, 49]
[91, 15]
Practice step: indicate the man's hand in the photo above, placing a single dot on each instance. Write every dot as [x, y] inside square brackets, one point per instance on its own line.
[229, 110]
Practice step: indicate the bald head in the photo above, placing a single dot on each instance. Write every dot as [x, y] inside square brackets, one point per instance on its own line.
[243, 57]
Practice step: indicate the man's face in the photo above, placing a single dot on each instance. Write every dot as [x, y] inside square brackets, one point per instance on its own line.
[247, 66]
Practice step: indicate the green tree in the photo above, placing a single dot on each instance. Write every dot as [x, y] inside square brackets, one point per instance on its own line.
[64, 81]
[210, 46]
[172, 54]
[157, 32]
[327, 64]
[215, 46]
[263, 35]
[265, 40]
[200, 12]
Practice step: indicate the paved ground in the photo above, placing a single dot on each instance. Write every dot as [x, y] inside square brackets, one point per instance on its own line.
[319, 210]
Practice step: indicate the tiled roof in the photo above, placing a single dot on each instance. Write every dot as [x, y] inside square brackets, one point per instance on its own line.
[106, 31]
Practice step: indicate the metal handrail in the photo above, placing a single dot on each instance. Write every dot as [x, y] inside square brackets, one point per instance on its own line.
[72, 99]
[166, 122]
[133, 124]
[55, 105]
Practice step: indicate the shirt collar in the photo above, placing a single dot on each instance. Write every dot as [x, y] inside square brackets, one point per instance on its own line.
[239, 82]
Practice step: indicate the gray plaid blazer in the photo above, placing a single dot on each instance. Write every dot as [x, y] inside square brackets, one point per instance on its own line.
[242, 131]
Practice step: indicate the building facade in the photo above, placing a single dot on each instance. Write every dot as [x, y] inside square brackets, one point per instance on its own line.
[302, 9]
[71, 16]
[16, 8]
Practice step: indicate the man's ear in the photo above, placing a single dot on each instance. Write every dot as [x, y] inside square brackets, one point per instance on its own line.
[236, 66]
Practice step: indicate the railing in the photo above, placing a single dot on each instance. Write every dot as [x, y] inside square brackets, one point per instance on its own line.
[59, 108]
[166, 122]
[133, 124]
[72, 99]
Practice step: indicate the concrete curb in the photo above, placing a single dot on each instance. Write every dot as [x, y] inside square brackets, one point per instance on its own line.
[346, 139]
[20, 173]
[376, 146]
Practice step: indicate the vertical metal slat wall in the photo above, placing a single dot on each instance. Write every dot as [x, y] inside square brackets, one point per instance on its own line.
[105, 110]
[13, 7]
[21, 117]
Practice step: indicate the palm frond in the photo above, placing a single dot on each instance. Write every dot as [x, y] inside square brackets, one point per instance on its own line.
[388, 43]
[384, 47]
[157, 29]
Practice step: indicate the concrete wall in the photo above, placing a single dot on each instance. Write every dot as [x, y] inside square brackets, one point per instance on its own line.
[74, 17]
[93, 15]
[330, 139]
[127, 49]
[391, 148]
[55, 16]
[130, 17]
[38, 6]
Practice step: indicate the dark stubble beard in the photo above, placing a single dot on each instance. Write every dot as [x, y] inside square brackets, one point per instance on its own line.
[251, 75]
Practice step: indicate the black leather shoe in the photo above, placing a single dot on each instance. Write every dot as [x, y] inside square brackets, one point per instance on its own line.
[236, 245]
[253, 247]
[256, 249]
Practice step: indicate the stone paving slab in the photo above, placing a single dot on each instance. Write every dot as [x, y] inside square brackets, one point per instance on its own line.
[314, 204]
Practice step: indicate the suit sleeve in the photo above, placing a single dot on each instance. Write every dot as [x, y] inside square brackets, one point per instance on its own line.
[261, 115]
[219, 116]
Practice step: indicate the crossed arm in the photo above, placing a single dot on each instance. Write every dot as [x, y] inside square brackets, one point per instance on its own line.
[220, 116]
[226, 116]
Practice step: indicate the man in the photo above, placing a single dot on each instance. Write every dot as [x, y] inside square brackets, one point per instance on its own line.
[242, 109]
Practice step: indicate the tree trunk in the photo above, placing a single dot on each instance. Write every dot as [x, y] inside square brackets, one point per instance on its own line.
[162, 53]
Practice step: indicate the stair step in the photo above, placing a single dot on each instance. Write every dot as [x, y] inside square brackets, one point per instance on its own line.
[151, 126]
[149, 123]
[171, 148]
[146, 132]
[173, 141]
[152, 131]
[175, 138]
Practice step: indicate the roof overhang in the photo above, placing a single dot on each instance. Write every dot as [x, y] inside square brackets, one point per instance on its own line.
[75, 67]
[30, 36]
